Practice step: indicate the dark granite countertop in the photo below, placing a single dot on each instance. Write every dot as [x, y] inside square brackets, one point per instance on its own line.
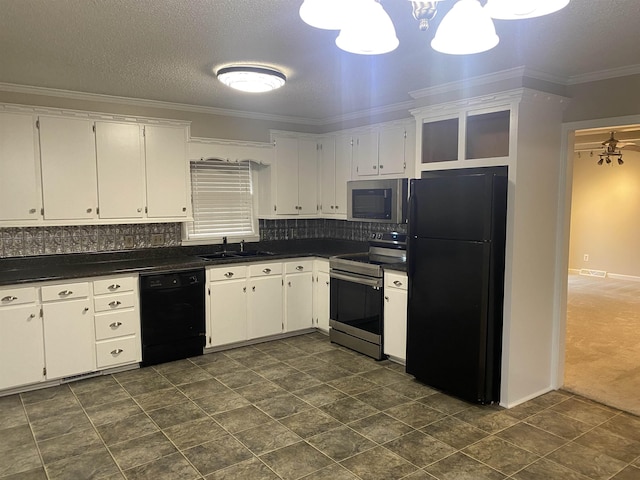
[19, 270]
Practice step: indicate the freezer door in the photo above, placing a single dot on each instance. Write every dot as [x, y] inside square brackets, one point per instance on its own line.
[449, 329]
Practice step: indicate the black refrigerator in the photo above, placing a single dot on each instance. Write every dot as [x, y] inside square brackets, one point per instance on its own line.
[455, 264]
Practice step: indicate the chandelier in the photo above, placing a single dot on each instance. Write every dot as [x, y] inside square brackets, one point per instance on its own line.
[366, 29]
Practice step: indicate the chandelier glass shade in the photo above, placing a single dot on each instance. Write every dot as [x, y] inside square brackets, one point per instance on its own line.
[325, 14]
[519, 9]
[252, 79]
[466, 29]
[370, 32]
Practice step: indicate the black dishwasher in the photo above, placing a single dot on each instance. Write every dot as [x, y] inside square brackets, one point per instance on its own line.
[172, 314]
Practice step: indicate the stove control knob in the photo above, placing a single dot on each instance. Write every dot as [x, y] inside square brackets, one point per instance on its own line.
[373, 235]
[379, 236]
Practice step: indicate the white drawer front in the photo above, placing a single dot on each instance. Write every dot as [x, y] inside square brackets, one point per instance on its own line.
[107, 303]
[17, 296]
[118, 351]
[116, 324]
[231, 272]
[299, 267]
[393, 280]
[114, 285]
[262, 269]
[65, 291]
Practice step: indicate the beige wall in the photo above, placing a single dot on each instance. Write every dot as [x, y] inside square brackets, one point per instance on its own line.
[605, 209]
[614, 97]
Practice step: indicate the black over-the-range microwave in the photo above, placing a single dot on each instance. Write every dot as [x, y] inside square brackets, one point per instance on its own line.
[381, 200]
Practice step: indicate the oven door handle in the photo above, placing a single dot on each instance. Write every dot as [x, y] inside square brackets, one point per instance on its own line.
[355, 278]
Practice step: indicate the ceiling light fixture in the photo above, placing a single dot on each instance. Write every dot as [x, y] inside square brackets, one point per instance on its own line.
[365, 28]
[250, 78]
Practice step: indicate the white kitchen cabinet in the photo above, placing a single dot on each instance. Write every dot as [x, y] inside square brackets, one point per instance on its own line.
[120, 164]
[167, 172]
[335, 171]
[69, 334]
[21, 338]
[68, 162]
[383, 151]
[20, 197]
[298, 280]
[395, 315]
[321, 299]
[265, 300]
[295, 179]
[365, 154]
[227, 305]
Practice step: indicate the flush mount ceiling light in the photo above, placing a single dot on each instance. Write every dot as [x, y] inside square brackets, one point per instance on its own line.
[467, 28]
[249, 78]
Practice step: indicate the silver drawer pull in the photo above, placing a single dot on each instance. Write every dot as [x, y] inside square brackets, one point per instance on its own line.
[115, 324]
[299, 268]
[114, 286]
[115, 303]
[9, 298]
[397, 283]
[117, 351]
[267, 271]
[228, 274]
[65, 293]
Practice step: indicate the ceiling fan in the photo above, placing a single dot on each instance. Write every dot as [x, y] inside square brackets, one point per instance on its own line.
[612, 148]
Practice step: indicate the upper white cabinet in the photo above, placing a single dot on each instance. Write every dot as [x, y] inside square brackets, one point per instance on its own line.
[295, 176]
[68, 160]
[20, 197]
[167, 172]
[335, 171]
[382, 151]
[120, 157]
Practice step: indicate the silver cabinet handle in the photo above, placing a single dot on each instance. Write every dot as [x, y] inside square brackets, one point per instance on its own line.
[299, 268]
[89, 210]
[337, 207]
[381, 166]
[115, 324]
[113, 286]
[85, 310]
[253, 288]
[33, 315]
[397, 283]
[267, 271]
[32, 210]
[228, 274]
[386, 298]
[117, 351]
[9, 298]
[65, 293]
[328, 283]
[115, 303]
[244, 289]
[139, 210]
[289, 283]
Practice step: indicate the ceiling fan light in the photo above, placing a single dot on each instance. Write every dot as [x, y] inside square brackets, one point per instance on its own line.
[325, 14]
[600, 161]
[370, 32]
[519, 9]
[620, 162]
[252, 79]
[466, 29]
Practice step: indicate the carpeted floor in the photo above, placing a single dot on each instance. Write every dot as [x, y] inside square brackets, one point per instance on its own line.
[603, 341]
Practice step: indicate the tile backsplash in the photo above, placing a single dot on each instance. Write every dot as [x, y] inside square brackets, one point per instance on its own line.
[31, 241]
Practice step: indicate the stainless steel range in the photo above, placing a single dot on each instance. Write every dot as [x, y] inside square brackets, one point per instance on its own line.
[356, 316]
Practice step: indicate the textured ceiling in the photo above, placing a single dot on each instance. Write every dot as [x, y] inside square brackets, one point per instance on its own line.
[166, 50]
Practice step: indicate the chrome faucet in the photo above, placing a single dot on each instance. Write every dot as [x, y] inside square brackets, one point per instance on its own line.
[224, 244]
[242, 245]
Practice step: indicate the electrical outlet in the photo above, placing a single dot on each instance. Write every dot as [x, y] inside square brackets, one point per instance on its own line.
[585, 257]
[157, 239]
[128, 241]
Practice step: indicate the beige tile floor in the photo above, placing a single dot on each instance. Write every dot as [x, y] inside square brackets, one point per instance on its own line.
[302, 408]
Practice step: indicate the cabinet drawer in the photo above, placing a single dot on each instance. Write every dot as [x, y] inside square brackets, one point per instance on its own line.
[265, 269]
[113, 285]
[227, 273]
[116, 324]
[299, 267]
[106, 303]
[64, 291]
[393, 280]
[117, 351]
[17, 296]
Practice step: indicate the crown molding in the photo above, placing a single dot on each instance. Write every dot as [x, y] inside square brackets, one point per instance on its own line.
[140, 102]
[370, 112]
[604, 74]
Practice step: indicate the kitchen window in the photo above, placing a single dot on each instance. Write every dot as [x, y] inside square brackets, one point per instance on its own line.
[223, 201]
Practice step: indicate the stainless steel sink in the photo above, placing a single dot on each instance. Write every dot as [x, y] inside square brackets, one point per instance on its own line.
[246, 253]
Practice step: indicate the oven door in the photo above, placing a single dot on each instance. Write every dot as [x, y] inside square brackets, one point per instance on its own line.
[356, 305]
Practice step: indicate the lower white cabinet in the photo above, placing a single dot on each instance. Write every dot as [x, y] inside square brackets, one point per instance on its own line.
[21, 338]
[395, 315]
[264, 295]
[227, 305]
[321, 297]
[298, 281]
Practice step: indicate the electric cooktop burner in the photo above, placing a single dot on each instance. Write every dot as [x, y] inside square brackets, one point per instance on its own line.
[384, 249]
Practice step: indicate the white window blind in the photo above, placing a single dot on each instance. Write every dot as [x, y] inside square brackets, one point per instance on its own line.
[222, 196]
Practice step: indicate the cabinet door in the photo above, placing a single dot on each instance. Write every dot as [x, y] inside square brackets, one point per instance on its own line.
[119, 153]
[307, 176]
[365, 154]
[322, 301]
[343, 173]
[19, 180]
[327, 167]
[228, 307]
[68, 158]
[166, 171]
[395, 323]
[21, 346]
[265, 306]
[391, 151]
[299, 301]
[286, 155]
[69, 338]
